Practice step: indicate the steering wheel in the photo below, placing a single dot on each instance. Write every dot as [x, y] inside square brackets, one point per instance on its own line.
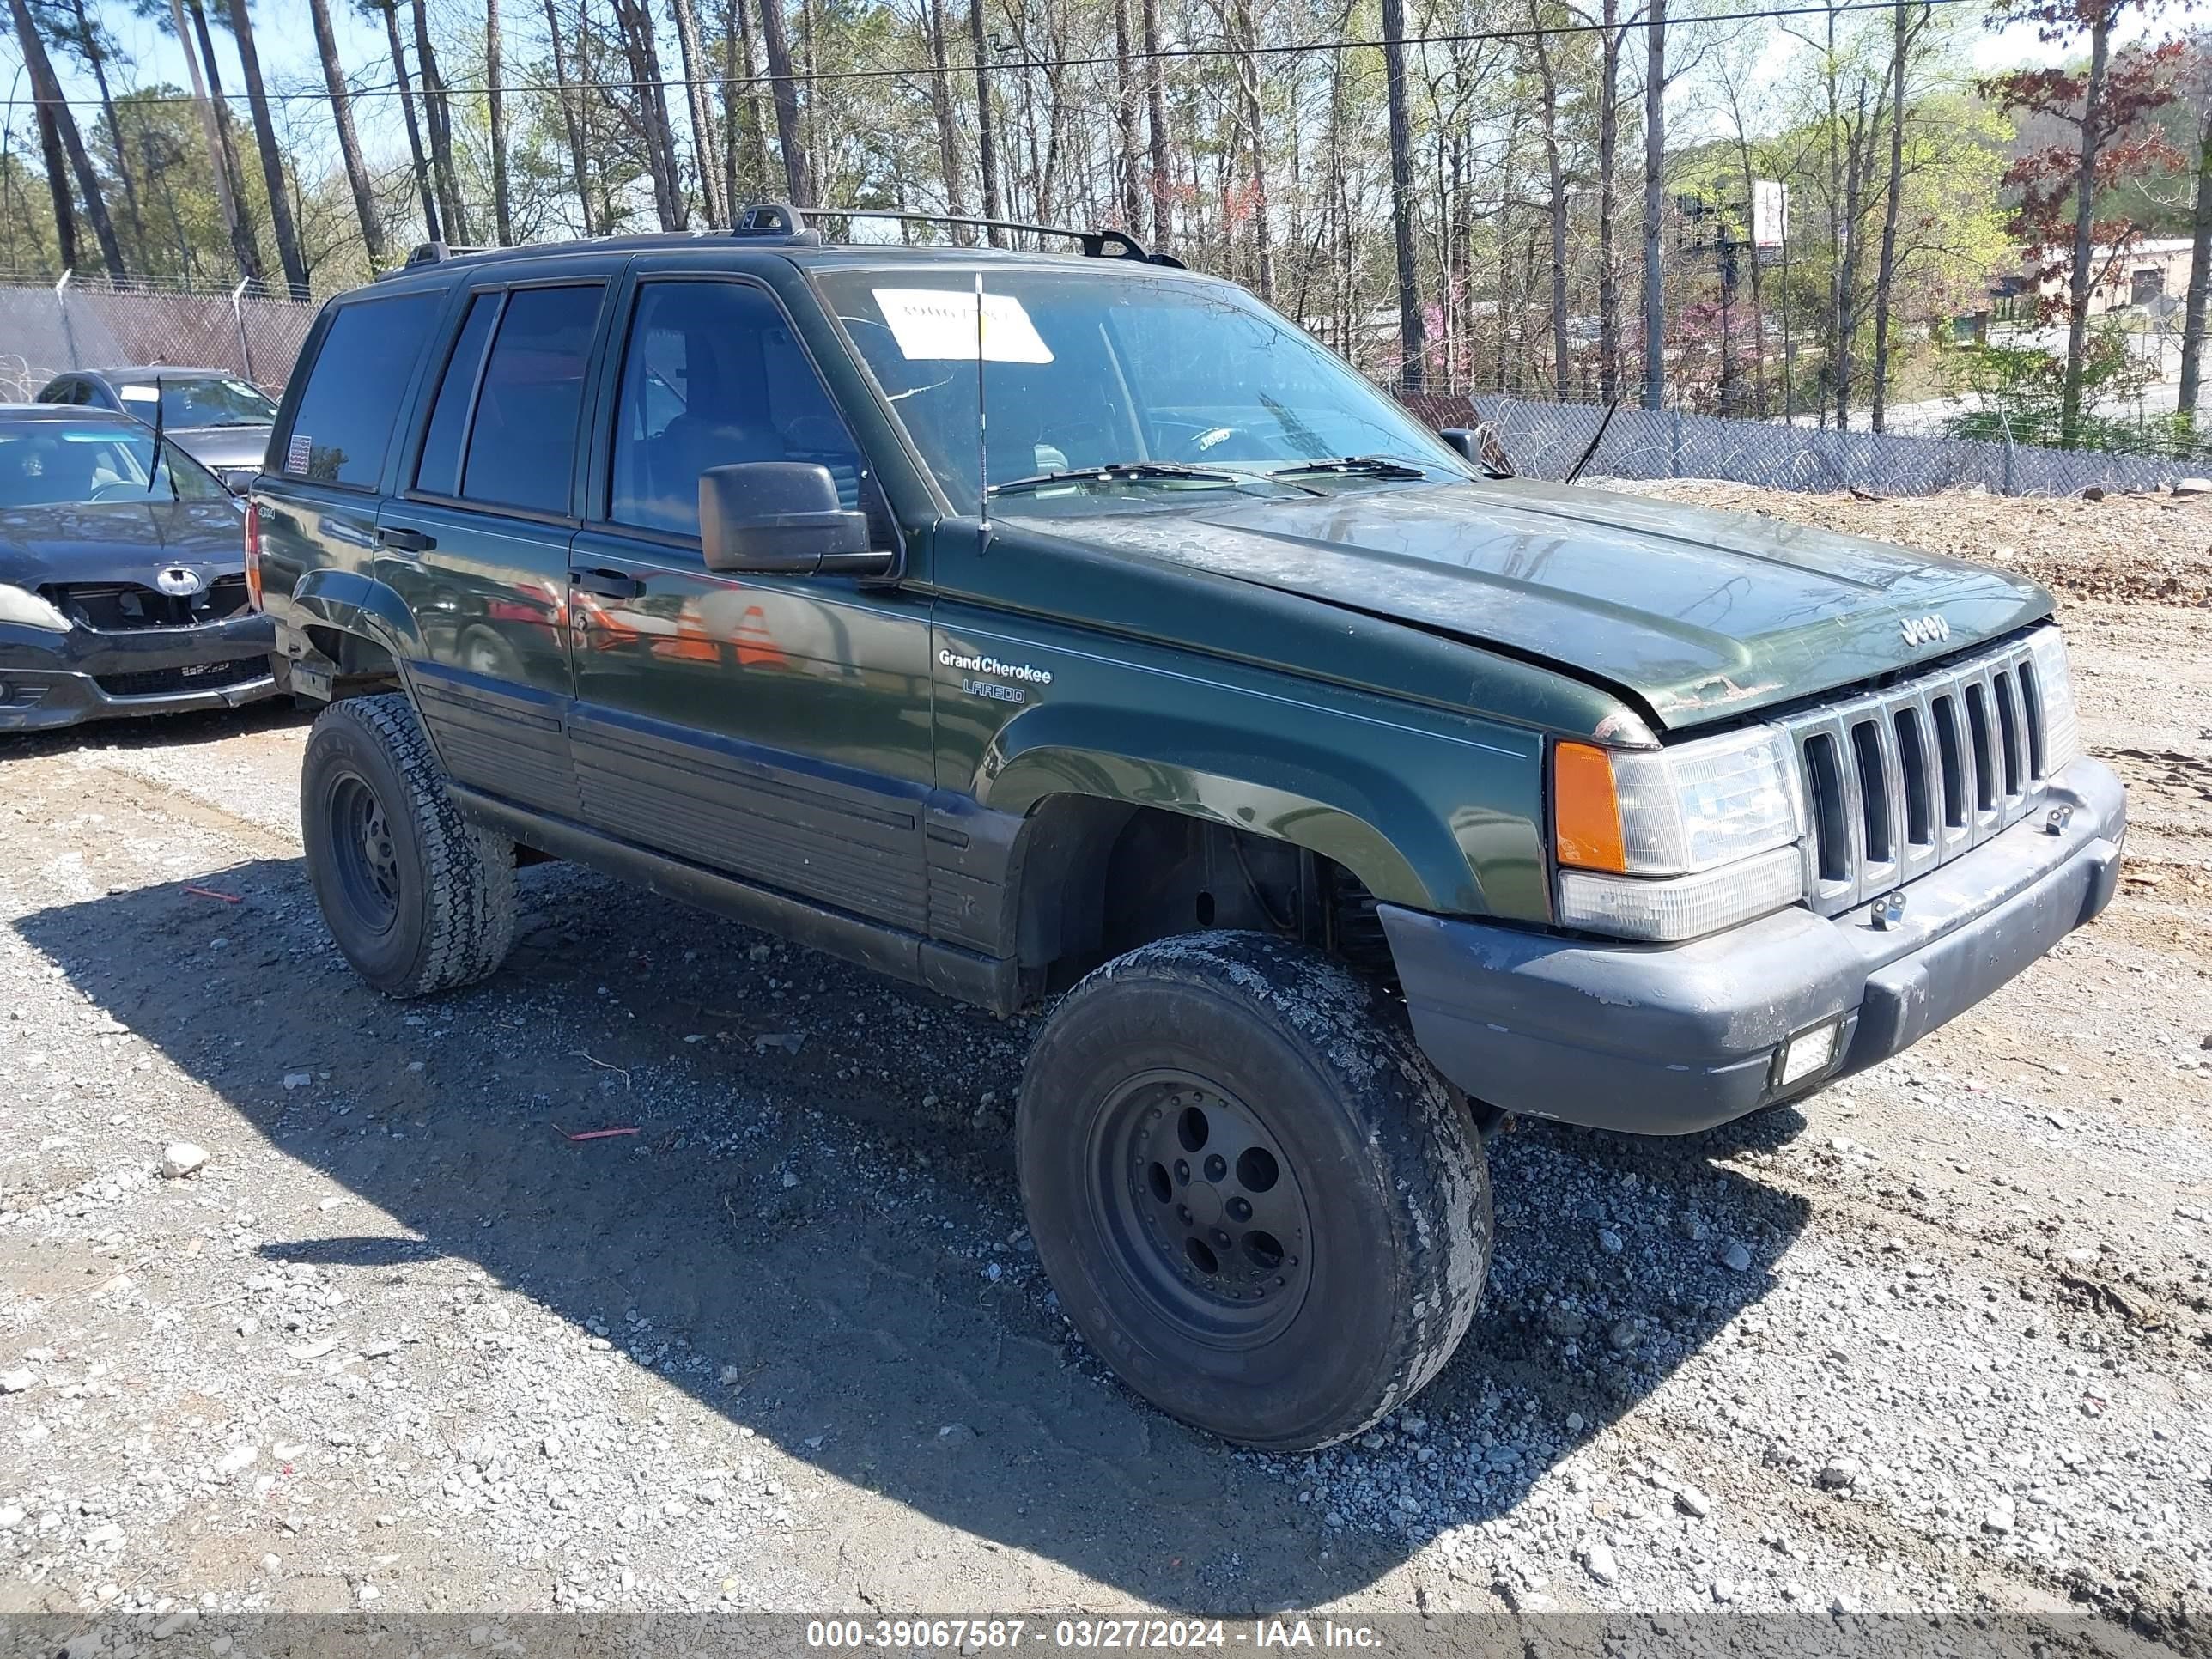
[120, 489]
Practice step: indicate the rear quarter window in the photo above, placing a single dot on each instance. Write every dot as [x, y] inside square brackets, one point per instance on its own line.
[350, 402]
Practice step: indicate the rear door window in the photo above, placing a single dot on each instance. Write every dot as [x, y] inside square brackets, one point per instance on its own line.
[520, 450]
[439, 472]
[343, 423]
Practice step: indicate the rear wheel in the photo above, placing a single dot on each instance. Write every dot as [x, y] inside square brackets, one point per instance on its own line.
[418, 898]
[1254, 1197]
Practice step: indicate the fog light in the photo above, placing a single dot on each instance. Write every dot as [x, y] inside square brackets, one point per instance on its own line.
[1807, 1053]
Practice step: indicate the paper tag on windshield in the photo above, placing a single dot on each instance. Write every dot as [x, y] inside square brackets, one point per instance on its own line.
[932, 323]
[145, 394]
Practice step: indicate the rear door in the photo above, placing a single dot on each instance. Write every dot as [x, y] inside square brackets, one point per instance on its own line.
[476, 539]
[775, 726]
[318, 504]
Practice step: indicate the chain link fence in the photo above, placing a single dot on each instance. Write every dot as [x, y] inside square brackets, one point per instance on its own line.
[46, 328]
[1547, 440]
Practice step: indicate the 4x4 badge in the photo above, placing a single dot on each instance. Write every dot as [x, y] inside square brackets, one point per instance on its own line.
[1925, 630]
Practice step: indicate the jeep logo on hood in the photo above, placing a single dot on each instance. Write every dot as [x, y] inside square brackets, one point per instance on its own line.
[1925, 630]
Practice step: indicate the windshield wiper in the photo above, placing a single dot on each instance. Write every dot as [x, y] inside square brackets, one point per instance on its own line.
[1119, 473]
[1360, 466]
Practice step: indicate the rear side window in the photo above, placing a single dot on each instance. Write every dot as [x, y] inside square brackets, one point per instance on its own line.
[439, 472]
[344, 422]
[521, 444]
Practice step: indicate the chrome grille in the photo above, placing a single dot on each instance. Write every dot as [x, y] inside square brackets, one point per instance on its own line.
[1907, 777]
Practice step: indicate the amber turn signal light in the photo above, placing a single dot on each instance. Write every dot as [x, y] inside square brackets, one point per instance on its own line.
[1585, 810]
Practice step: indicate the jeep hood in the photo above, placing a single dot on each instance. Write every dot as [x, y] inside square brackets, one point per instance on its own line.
[1696, 616]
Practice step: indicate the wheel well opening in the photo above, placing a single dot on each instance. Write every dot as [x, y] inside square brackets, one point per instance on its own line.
[1102, 877]
[362, 666]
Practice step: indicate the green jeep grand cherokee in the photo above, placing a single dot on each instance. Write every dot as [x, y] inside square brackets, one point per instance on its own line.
[1022, 625]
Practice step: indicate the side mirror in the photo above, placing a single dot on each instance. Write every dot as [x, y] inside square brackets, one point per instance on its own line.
[782, 518]
[237, 479]
[1462, 439]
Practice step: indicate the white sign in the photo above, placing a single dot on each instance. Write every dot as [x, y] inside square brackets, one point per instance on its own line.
[1770, 213]
[140, 394]
[935, 323]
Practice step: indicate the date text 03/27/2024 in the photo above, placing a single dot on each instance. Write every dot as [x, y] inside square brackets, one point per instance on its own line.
[1126, 1635]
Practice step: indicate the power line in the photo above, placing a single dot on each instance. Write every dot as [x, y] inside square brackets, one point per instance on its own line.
[875, 72]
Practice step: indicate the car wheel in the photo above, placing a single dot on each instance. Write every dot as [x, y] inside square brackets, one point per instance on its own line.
[418, 898]
[1255, 1198]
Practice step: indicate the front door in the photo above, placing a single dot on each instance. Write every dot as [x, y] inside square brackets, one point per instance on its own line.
[477, 539]
[776, 728]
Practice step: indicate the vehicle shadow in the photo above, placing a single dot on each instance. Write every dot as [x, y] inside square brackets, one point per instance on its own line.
[814, 1231]
[157, 730]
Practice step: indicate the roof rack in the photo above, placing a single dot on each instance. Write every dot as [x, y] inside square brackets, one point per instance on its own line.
[782, 219]
[433, 253]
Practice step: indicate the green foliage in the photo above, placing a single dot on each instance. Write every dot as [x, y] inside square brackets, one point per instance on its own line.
[2019, 389]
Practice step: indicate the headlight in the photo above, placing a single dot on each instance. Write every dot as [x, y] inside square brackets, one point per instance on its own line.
[2054, 692]
[28, 609]
[1668, 844]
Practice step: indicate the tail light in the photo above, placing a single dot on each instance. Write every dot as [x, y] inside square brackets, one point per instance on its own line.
[253, 554]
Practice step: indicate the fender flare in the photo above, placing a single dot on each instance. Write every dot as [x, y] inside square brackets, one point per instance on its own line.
[354, 604]
[1326, 801]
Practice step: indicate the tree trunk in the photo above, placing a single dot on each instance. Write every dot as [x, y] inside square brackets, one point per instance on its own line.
[432, 226]
[740, 33]
[948, 132]
[1254, 123]
[272, 155]
[438, 115]
[2200, 280]
[2085, 210]
[1886, 263]
[57, 187]
[634, 23]
[241, 239]
[96, 60]
[703, 142]
[502, 212]
[1156, 102]
[1555, 168]
[334, 80]
[1847, 266]
[987, 151]
[47, 89]
[579, 166]
[795, 172]
[1655, 161]
[1609, 152]
[1411, 344]
[1128, 165]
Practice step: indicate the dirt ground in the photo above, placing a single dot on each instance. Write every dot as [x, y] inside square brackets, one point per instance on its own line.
[1935, 1342]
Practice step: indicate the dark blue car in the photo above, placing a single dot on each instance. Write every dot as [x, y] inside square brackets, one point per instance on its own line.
[122, 575]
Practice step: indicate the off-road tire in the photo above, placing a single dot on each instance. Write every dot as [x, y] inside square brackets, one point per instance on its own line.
[1284, 1046]
[432, 907]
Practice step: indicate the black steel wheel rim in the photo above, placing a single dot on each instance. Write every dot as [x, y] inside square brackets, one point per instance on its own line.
[1202, 1207]
[362, 849]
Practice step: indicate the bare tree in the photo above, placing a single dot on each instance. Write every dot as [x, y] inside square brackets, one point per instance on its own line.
[797, 172]
[503, 210]
[1655, 163]
[703, 141]
[84, 35]
[272, 158]
[432, 226]
[1157, 124]
[58, 186]
[438, 117]
[2200, 277]
[46, 89]
[1547, 78]
[356, 170]
[1411, 341]
[571, 120]
[213, 130]
[1905, 26]
[941, 101]
[986, 148]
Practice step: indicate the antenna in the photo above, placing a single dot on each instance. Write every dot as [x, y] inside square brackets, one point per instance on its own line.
[982, 428]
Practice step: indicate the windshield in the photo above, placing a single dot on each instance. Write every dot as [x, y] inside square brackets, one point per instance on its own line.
[53, 463]
[1085, 370]
[199, 400]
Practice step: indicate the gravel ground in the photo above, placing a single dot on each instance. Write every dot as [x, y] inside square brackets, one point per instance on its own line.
[1936, 1340]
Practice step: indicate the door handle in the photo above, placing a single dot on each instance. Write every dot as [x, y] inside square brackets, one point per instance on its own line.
[607, 584]
[404, 541]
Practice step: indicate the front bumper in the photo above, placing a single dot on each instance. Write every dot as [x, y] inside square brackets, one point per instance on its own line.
[1673, 1039]
[49, 680]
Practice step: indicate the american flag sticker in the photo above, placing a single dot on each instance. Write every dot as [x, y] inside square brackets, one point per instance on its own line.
[297, 452]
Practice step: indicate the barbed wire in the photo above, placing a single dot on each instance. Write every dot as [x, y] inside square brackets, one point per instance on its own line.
[1094, 60]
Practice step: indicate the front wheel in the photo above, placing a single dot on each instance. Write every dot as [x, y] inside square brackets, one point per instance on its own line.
[418, 898]
[1255, 1198]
